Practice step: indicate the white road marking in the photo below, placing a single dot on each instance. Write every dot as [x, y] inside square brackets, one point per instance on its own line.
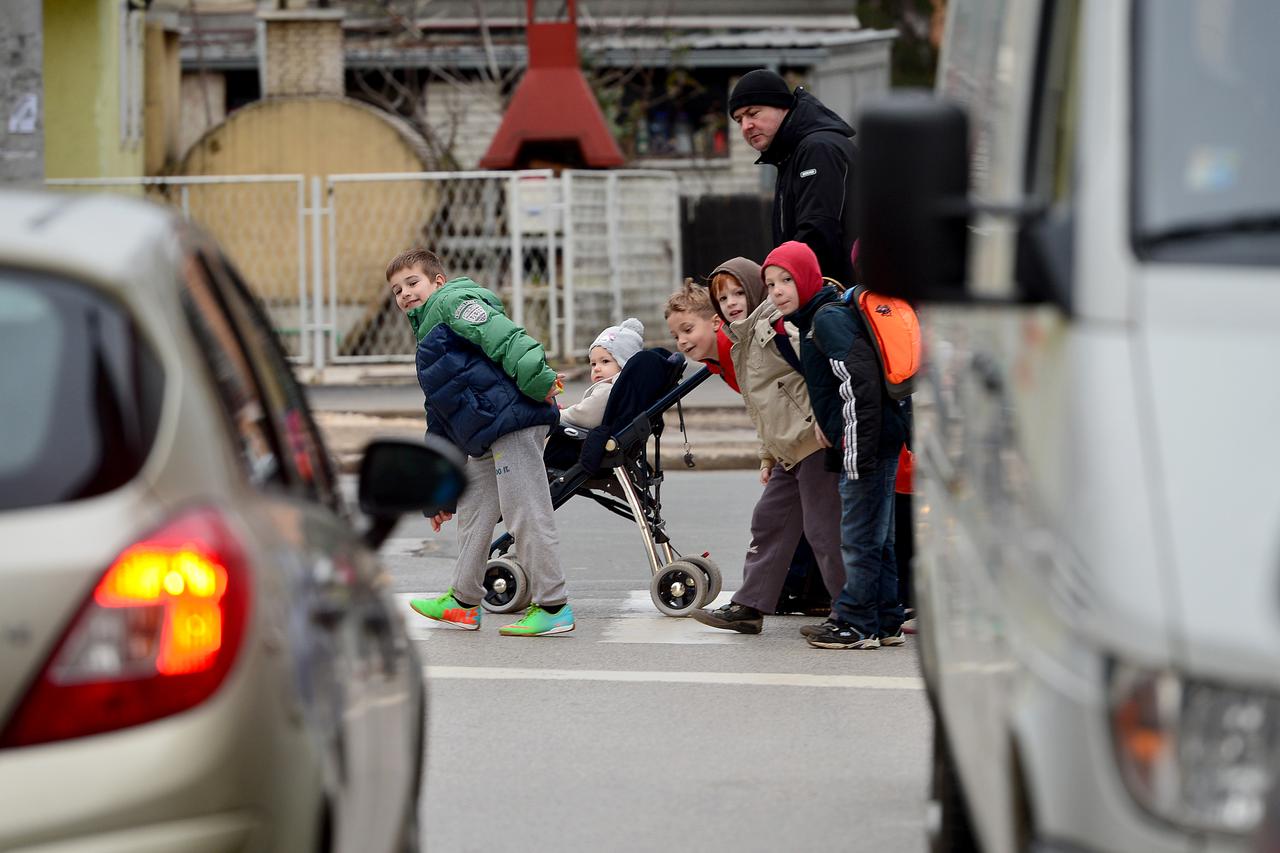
[402, 546]
[665, 630]
[762, 679]
[639, 603]
[642, 623]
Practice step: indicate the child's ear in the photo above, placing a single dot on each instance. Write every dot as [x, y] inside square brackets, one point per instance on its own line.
[439, 280]
[716, 322]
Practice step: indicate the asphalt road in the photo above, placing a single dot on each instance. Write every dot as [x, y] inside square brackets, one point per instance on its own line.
[642, 732]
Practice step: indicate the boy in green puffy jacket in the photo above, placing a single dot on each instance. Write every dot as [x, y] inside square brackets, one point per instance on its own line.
[488, 389]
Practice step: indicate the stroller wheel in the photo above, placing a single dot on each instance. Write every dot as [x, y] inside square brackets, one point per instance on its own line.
[678, 588]
[714, 580]
[506, 588]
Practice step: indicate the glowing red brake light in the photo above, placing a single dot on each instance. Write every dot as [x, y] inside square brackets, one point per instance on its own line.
[157, 636]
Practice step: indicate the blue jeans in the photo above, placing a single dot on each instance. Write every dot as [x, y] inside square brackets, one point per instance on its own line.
[869, 600]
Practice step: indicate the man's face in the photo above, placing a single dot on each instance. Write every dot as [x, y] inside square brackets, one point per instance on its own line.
[759, 124]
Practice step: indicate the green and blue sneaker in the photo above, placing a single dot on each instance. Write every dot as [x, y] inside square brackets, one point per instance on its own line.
[538, 623]
[446, 609]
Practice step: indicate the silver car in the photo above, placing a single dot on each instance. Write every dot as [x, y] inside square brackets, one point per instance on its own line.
[196, 649]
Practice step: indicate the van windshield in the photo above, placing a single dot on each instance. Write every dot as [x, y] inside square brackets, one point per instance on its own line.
[1207, 121]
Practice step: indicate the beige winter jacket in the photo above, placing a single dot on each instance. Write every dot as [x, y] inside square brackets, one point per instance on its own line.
[589, 413]
[775, 394]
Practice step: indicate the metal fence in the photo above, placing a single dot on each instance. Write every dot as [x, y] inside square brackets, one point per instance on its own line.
[569, 254]
[260, 222]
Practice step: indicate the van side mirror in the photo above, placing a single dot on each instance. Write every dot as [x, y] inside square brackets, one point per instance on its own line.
[399, 476]
[913, 198]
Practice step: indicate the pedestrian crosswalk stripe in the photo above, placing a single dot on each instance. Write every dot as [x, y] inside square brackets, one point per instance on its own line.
[761, 679]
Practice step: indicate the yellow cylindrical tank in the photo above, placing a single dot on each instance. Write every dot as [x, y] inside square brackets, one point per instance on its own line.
[258, 224]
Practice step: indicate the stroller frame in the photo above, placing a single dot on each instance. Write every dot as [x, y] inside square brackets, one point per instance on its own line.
[628, 485]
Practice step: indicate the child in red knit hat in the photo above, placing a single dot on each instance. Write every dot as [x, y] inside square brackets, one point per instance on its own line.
[863, 429]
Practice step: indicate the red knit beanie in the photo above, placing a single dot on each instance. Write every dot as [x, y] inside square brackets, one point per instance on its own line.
[799, 260]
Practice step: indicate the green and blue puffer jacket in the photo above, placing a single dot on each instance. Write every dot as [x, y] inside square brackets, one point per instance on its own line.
[483, 376]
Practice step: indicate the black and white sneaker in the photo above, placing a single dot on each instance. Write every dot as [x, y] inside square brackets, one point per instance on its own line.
[842, 635]
[898, 638]
[732, 617]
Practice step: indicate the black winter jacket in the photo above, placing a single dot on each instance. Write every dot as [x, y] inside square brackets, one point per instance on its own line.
[862, 422]
[813, 200]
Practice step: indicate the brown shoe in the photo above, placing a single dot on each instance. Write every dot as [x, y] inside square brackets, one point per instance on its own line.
[732, 617]
[815, 630]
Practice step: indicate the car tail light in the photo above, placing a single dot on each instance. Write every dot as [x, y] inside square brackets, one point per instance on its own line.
[157, 635]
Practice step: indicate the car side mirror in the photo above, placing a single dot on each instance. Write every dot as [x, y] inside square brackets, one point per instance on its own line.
[399, 476]
[913, 198]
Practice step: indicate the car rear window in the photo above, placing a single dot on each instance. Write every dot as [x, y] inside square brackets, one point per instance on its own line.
[80, 392]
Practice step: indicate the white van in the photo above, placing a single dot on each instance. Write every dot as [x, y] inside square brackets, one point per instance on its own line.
[1098, 479]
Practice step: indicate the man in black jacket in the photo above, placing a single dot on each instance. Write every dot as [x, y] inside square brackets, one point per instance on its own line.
[817, 166]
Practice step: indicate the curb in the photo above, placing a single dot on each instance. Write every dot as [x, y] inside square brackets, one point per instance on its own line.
[730, 460]
[346, 434]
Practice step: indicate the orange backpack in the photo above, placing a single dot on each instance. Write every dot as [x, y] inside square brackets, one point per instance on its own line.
[895, 330]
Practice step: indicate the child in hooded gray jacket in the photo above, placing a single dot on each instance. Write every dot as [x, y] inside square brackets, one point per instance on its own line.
[800, 495]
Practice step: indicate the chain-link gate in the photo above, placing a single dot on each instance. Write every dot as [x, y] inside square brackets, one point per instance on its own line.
[593, 248]
[569, 255]
[478, 222]
[258, 220]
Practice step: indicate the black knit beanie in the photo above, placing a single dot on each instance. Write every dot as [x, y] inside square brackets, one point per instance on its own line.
[760, 88]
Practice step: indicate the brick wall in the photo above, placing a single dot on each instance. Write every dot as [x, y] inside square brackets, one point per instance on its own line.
[303, 53]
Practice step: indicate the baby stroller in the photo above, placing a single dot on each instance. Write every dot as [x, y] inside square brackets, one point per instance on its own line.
[610, 464]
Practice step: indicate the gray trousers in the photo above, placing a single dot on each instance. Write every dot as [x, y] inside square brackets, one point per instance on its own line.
[509, 482]
[805, 499]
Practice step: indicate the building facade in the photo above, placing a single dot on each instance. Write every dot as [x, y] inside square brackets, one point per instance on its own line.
[661, 71]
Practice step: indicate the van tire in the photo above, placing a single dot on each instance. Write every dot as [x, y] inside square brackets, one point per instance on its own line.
[951, 831]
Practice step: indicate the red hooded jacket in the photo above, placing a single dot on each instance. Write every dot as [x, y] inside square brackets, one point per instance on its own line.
[799, 260]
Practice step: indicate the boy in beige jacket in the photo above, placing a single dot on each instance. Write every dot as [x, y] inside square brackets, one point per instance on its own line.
[800, 495]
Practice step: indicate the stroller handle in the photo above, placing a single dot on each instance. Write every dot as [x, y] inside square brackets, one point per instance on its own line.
[679, 392]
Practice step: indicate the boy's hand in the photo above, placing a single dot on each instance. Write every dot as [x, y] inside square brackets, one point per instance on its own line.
[438, 520]
[821, 436]
[766, 471]
[557, 388]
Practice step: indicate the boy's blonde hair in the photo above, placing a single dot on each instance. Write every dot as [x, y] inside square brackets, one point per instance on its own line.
[428, 262]
[692, 299]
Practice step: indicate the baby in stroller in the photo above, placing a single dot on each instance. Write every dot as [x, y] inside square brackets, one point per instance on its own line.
[610, 463]
[609, 353]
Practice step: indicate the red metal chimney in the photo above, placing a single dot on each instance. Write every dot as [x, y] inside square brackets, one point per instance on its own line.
[554, 116]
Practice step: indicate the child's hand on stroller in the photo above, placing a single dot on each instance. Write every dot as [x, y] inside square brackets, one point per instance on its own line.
[557, 388]
[821, 436]
[438, 520]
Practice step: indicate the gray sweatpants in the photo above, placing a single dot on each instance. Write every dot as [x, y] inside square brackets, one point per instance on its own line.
[805, 499]
[510, 482]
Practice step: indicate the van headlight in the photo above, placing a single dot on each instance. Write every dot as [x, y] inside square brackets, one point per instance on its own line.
[1196, 754]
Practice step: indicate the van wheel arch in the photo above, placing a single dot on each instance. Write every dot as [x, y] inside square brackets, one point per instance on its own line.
[1022, 805]
[952, 831]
